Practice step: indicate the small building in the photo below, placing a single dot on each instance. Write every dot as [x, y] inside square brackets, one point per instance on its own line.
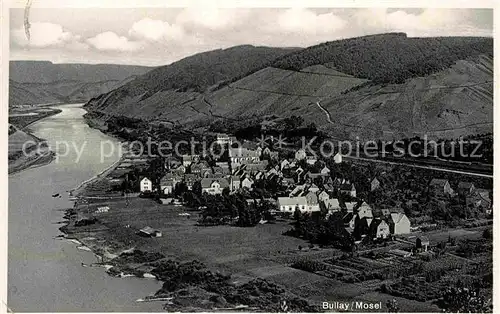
[374, 185]
[441, 187]
[289, 204]
[332, 205]
[247, 183]
[325, 171]
[422, 244]
[348, 189]
[379, 229]
[146, 185]
[214, 186]
[234, 183]
[322, 196]
[399, 223]
[465, 188]
[150, 232]
[364, 210]
[167, 185]
[312, 202]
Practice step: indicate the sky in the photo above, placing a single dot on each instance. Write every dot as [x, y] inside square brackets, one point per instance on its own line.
[159, 36]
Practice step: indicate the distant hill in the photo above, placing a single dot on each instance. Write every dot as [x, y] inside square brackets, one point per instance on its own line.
[40, 82]
[48, 72]
[371, 86]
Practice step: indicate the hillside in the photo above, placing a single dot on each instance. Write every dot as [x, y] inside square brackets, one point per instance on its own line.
[42, 82]
[388, 58]
[375, 86]
[193, 74]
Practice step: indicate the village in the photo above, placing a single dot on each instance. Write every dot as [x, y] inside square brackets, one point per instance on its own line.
[316, 216]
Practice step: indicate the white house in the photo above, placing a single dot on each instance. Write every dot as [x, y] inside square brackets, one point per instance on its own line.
[337, 158]
[399, 223]
[247, 183]
[146, 185]
[214, 186]
[312, 202]
[289, 204]
[365, 211]
[167, 185]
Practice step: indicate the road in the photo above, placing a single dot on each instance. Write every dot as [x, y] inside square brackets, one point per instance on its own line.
[489, 176]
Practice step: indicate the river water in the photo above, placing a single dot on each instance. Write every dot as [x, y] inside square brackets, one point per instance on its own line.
[45, 273]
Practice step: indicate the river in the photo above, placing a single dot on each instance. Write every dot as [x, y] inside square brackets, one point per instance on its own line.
[44, 272]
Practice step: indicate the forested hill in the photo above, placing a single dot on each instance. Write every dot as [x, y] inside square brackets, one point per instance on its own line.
[369, 86]
[197, 72]
[388, 58]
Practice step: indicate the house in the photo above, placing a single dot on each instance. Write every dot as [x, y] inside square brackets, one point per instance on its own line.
[422, 243]
[289, 204]
[166, 185]
[187, 160]
[312, 202]
[313, 188]
[465, 188]
[440, 187]
[240, 156]
[399, 223]
[379, 229]
[247, 183]
[349, 220]
[322, 196]
[300, 154]
[375, 184]
[285, 164]
[146, 185]
[364, 210]
[150, 232]
[349, 206]
[325, 171]
[332, 204]
[480, 198]
[235, 183]
[223, 139]
[214, 186]
[337, 158]
[348, 189]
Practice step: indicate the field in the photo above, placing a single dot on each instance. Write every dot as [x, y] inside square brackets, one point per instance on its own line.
[245, 253]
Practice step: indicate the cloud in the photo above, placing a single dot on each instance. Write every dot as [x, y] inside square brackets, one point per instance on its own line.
[44, 35]
[212, 18]
[428, 22]
[304, 21]
[110, 41]
[155, 30]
